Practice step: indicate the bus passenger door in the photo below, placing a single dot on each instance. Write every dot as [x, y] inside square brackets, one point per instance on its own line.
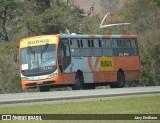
[64, 59]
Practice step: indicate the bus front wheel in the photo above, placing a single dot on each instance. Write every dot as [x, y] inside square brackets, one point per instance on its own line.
[44, 88]
[78, 82]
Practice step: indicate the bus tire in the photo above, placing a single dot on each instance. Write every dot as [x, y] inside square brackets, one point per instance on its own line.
[78, 82]
[120, 81]
[44, 88]
[113, 85]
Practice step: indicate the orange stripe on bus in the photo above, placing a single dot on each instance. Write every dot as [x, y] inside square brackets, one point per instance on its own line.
[106, 36]
[96, 63]
[90, 66]
[128, 36]
[92, 36]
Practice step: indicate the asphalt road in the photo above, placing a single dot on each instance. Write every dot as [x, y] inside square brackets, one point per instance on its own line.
[72, 95]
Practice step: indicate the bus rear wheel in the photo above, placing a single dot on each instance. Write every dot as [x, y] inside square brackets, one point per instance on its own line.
[78, 82]
[120, 81]
[44, 88]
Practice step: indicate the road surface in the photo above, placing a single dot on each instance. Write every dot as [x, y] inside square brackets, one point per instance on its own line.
[72, 95]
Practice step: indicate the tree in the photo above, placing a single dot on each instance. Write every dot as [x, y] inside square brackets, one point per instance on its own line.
[6, 8]
[56, 17]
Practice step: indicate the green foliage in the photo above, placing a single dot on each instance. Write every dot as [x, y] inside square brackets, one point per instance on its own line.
[10, 4]
[6, 12]
[130, 105]
[157, 2]
[54, 19]
[9, 75]
[9, 71]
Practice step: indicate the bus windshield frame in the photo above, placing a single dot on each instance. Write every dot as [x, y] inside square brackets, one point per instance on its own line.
[38, 60]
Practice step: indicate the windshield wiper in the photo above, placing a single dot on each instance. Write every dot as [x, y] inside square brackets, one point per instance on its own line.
[32, 51]
[44, 49]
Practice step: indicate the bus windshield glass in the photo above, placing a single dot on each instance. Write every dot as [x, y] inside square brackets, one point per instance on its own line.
[38, 60]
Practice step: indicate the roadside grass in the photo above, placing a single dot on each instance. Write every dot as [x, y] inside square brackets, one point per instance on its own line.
[129, 105]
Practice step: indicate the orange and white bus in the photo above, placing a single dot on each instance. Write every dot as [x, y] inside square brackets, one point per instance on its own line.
[78, 61]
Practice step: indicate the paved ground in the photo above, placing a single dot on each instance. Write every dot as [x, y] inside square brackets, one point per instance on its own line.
[74, 95]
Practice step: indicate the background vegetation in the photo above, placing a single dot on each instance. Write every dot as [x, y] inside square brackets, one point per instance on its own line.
[24, 18]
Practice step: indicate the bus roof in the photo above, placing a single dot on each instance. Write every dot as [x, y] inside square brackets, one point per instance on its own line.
[81, 36]
[96, 36]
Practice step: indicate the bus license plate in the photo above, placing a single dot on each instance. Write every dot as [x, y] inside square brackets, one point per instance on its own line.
[39, 83]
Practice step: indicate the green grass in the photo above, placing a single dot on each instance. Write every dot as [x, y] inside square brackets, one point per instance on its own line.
[131, 105]
[141, 105]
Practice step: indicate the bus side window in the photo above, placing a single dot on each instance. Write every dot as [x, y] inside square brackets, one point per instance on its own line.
[81, 43]
[129, 47]
[86, 49]
[117, 47]
[78, 42]
[71, 42]
[92, 43]
[99, 42]
[74, 45]
[119, 44]
[108, 43]
[126, 43]
[114, 43]
[134, 47]
[89, 43]
[97, 50]
[133, 43]
[96, 43]
[85, 43]
[107, 49]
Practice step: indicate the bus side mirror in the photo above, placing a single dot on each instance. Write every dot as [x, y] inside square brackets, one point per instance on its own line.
[15, 57]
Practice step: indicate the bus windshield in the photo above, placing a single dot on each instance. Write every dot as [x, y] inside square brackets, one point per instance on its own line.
[38, 60]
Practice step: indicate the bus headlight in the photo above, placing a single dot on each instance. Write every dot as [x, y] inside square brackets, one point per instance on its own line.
[25, 78]
[52, 75]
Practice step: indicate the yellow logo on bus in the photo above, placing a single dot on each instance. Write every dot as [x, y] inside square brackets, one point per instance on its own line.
[37, 41]
[106, 63]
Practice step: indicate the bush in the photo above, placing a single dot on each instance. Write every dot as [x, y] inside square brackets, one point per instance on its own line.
[9, 75]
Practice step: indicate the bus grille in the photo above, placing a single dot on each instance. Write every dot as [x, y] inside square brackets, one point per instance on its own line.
[35, 84]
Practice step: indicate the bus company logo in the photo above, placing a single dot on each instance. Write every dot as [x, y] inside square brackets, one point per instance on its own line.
[106, 63]
[38, 41]
[115, 18]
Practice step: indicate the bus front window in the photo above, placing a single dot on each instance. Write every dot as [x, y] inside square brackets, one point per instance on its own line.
[38, 60]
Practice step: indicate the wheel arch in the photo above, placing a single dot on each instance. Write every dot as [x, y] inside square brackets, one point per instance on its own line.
[79, 72]
[122, 71]
[79, 81]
